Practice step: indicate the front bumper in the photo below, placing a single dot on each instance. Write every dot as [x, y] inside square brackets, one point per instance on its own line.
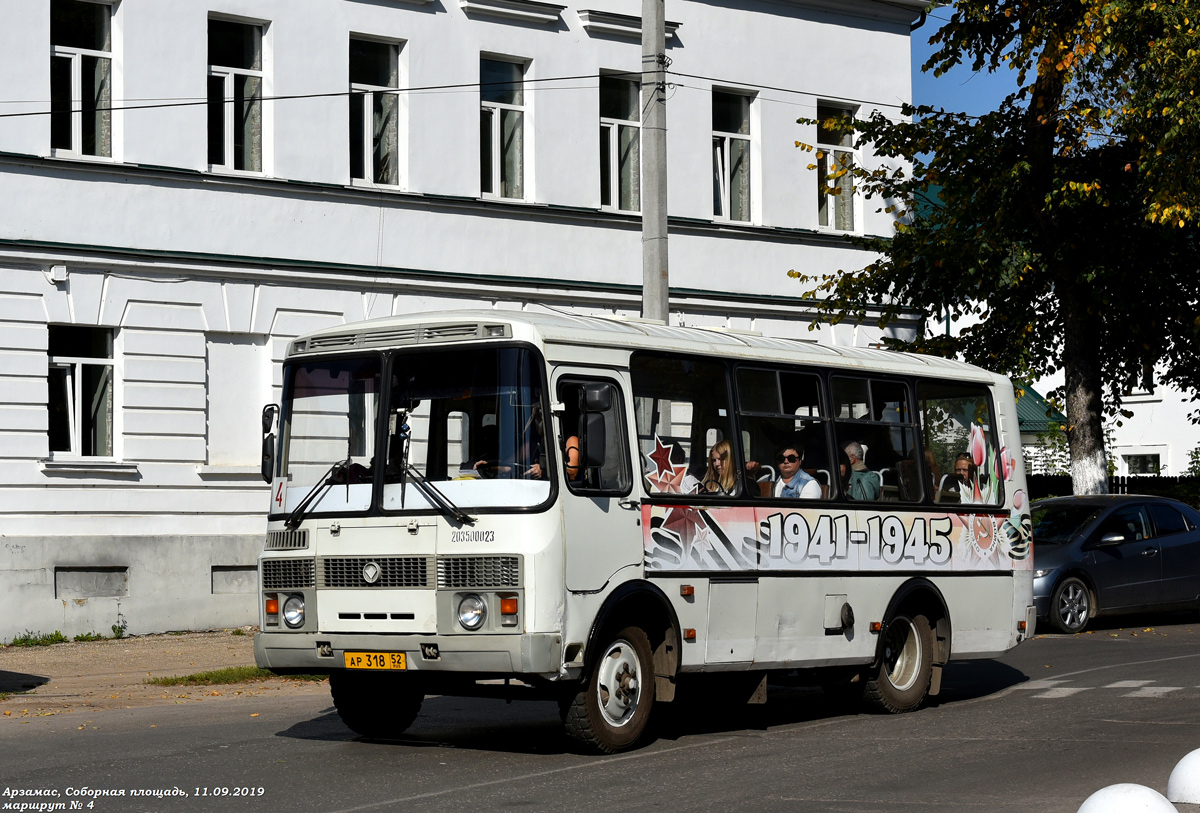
[537, 653]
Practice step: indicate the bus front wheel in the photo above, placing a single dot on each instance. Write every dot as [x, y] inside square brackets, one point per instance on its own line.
[375, 705]
[906, 665]
[609, 712]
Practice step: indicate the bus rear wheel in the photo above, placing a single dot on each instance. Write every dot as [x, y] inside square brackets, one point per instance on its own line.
[906, 665]
[375, 705]
[609, 712]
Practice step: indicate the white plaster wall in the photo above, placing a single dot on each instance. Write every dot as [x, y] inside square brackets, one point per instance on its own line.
[170, 257]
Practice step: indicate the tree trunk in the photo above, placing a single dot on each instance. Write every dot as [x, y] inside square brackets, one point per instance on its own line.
[1081, 366]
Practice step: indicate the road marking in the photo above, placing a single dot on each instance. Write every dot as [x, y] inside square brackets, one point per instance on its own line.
[1153, 691]
[1038, 685]
[597, 763]
[1129, 684]
[1011, 689]
[1054, 694]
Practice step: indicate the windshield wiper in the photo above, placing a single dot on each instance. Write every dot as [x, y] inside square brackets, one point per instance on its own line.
[324, 481]
[434, 495]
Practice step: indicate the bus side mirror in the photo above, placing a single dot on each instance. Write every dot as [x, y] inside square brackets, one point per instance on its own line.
[268, 457]
[594, 441]
[595, 397]
[268, 444]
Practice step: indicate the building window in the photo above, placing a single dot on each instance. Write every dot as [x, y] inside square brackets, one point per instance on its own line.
[501, 129]
[235, 79]
[1142, 463]
[374, 130]
[835, 161]
[81, 78]
[620, 144]
[81, 391]
[731, 156]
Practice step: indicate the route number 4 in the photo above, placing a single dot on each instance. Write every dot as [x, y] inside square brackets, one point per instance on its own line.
[278, 494]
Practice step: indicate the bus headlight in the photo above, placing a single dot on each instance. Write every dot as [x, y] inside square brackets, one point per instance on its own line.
[472, 612]
[293, 611]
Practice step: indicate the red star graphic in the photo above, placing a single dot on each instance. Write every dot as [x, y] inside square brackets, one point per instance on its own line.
[685, 522]
[661, 457]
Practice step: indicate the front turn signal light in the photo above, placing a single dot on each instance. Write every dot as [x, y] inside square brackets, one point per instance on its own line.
[272, 606]
[508, 606]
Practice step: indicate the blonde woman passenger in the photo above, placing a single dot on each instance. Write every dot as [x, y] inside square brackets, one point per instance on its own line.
[721, 475]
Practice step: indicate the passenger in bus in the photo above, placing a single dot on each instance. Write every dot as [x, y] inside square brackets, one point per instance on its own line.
[571, 460]
[794, 482]
[967, 474]
[861, 483]
[721, 476]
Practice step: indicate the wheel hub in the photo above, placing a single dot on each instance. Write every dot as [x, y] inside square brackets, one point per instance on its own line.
[619, 683]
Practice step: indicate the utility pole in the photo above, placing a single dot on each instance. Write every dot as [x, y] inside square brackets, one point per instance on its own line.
[655, 303]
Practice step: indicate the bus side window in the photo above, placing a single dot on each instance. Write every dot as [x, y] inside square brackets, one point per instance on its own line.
[958, 428]
[876, 440]
[592, 446]
[681, 403]
[781, 418]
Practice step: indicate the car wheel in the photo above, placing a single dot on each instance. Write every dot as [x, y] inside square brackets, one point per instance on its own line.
[1070, 606]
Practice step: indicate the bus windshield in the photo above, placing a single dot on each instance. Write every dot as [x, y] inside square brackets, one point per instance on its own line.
[475, 425]
[330, 416]
[469, 423]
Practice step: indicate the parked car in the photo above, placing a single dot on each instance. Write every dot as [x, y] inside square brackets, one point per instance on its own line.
[1110, 554]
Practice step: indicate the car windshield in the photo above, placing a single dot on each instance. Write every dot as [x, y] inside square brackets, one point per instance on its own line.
[1057, 523]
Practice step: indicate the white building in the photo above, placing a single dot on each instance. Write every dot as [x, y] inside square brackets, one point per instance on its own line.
[362, 158]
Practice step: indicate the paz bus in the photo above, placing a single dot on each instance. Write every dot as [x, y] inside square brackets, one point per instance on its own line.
[595, 510]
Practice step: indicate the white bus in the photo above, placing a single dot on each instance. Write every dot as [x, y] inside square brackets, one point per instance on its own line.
[511, 504]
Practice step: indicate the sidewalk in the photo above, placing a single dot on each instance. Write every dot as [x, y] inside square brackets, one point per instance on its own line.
[50, 680]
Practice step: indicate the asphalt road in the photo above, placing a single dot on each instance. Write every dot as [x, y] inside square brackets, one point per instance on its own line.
[1038, 730]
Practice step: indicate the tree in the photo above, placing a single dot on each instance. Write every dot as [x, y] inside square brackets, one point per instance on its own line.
[1065, 219]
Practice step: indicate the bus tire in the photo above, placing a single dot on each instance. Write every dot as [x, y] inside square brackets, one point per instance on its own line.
[375, 705]
[609, 712]
[906, 665]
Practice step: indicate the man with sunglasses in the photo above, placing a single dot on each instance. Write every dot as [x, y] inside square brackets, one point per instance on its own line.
[795, 483]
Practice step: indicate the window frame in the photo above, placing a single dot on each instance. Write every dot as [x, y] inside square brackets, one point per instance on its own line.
[826, 419]
[613, 157]
[367, 93]
[723, 180]
[827, 205]
[229, 76]
[699, 497]
[75, 406]
[75, 103]
[619, 410]
[494, 109]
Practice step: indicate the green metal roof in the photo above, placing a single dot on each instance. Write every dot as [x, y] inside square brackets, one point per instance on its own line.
[1034, 413]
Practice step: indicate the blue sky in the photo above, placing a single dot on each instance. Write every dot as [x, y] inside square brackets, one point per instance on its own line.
[961, 89]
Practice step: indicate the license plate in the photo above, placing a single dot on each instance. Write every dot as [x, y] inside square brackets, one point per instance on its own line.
[375, 660]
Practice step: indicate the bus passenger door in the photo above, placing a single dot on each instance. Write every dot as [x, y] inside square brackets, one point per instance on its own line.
[600, 523]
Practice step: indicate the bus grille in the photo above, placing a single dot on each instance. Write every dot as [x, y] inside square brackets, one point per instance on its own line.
[287, 540]
[394, 571]
[287, 574]
[479, 571]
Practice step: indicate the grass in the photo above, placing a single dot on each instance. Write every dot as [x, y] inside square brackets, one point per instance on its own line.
[30, 638]
[237, 631]
[89, 636]
[230, 674]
